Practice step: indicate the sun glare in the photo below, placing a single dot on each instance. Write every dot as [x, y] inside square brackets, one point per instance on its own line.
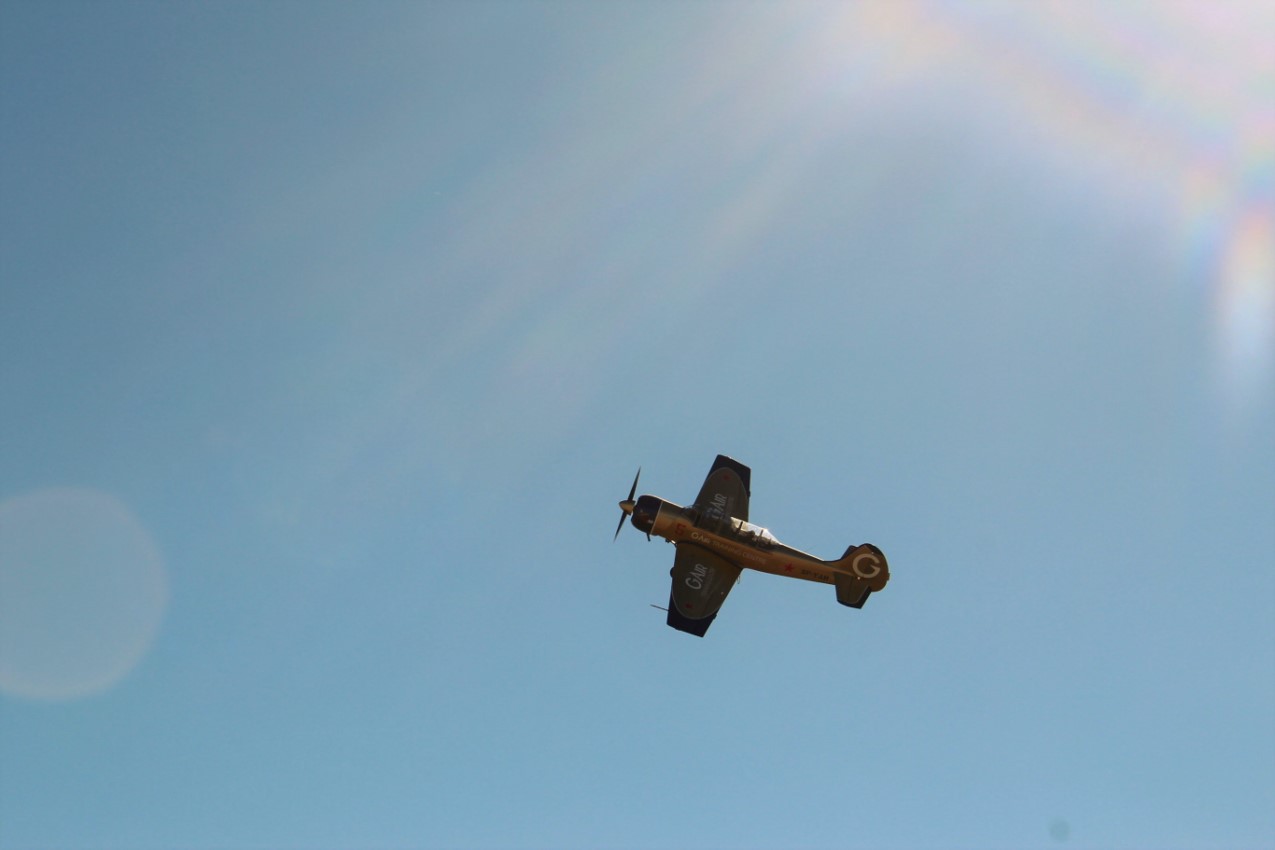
[1147, 103]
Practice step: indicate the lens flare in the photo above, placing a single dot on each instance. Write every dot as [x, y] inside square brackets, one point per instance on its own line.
[82, 593]
[1165, 110]
[1246, 301]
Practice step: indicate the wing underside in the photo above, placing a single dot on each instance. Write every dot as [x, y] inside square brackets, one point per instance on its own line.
[701, 581]
[725, 491]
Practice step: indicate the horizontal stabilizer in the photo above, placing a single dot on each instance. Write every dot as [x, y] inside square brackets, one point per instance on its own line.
[862, 570]
[852, 592]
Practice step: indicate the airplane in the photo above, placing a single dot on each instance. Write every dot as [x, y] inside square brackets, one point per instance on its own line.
[716, 542]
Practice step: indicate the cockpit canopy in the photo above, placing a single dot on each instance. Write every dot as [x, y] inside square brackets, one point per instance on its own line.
[747, 529]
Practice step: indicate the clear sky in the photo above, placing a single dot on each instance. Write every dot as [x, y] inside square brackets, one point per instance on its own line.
[331, 334]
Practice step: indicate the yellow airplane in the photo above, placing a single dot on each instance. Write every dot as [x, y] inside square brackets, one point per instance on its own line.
[716, 542]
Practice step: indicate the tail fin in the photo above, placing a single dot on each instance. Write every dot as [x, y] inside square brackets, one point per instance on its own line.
[865, 571]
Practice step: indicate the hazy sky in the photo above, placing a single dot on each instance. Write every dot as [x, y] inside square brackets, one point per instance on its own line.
[331, 334]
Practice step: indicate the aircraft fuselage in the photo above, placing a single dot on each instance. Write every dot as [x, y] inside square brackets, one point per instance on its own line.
[739, 542]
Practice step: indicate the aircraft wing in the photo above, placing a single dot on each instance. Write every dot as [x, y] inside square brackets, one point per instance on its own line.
[701, 581]
[725, 490]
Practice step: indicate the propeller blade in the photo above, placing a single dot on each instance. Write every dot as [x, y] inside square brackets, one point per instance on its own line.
[626, 507]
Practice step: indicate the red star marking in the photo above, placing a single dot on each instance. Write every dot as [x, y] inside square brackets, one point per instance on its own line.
[788, 567]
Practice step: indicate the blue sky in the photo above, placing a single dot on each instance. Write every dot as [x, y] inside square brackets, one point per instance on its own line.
[331, 333]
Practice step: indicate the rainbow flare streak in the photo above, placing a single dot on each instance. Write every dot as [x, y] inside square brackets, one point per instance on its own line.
[1165, 109]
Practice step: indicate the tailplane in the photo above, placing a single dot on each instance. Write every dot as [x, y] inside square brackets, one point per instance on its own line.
[862, 571]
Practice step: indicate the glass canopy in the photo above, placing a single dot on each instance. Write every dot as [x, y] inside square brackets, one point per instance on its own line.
[747, 529]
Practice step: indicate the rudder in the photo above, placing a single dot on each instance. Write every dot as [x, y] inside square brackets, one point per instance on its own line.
[866, 571]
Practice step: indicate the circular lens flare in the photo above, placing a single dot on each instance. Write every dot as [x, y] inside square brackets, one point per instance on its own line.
[82, 593]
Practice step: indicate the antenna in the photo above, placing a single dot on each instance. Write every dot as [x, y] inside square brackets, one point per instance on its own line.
[659, 607]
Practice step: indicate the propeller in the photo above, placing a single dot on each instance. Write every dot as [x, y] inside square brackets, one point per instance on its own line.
[627, 505]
